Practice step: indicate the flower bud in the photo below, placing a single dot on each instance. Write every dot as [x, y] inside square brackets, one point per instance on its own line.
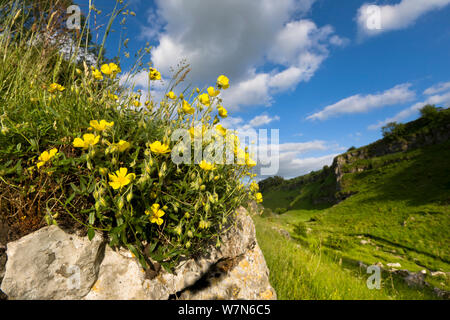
[130, 196]
[103, 202]
[120, 204]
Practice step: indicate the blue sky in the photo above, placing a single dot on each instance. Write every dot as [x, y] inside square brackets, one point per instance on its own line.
[311, 68]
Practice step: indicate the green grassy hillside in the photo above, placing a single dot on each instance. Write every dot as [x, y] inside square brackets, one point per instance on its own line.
[398, 213]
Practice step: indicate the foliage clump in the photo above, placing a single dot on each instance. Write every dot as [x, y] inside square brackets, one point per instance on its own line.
[76, 143]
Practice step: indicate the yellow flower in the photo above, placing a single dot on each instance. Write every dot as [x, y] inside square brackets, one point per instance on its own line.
[254, 187]
[213, 92]
[55, 87]
[196, 133]
[187, 108]
[102, 125]
[240, 154]
[259, 197]
[136, 103]
[222, 112]
[97, 74]
[113, 96]
[204, 99]
[111, 69]
[221, 130]
[250, 162]
[158, 147]
[172, 95]
[203, 224]
[122, 145]
[155, 214]
[121, 178]
[88, 140]
[207, 166]
[154, 74]
[223, 82]
[46, 156]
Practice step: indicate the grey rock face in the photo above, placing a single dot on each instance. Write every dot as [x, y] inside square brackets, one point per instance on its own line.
[50, 264]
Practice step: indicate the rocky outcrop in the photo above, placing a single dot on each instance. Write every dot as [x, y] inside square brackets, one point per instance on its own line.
[341, 164]
[52, 264]
[414, 279]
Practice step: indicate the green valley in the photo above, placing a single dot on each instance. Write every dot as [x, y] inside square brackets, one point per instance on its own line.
[385, 204]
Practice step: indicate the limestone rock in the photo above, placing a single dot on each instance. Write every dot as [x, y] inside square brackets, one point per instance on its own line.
[255, 209]
[38, 268]
[247, 280]
[51, 264]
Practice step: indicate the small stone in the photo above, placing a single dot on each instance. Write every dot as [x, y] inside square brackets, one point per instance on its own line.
[394, 265]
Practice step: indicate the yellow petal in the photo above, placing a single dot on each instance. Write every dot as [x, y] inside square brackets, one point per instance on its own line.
[78, 143]
[115, 185]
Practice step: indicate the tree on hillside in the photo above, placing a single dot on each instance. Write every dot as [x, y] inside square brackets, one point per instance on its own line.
[430, 112]
[270, 183]
[393, 129]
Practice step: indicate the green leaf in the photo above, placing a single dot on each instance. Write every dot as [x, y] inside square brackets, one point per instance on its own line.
[70, 198]
[91, 234]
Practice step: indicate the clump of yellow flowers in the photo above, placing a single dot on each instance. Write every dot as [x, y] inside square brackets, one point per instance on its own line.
[83, 143]
[116, 155]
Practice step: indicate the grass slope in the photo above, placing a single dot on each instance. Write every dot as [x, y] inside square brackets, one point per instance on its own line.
[399, 214]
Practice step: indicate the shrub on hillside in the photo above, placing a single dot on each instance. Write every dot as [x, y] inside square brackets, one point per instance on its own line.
[393, 130]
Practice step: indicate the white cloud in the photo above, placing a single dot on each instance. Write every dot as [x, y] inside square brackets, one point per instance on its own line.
[261, 120]
[286, 79]
[291, 166]
[406, 113]
[364, 103]
[396, 16]
[236, 38]
[237, 123]
[292, 160]
[254, 90]
[438, 88]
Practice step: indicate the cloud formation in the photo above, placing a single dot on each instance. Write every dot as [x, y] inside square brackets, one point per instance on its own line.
[443, 99]
[375, 20]
[237, 38]
[438, 88]
[364, 103]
